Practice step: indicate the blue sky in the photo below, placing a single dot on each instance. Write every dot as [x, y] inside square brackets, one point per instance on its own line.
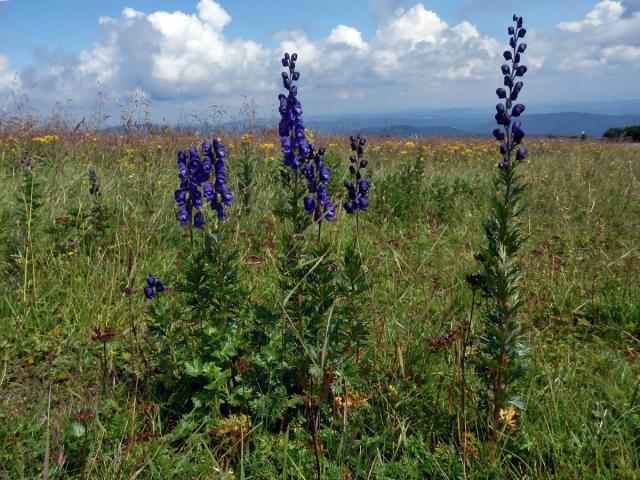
[200, 53]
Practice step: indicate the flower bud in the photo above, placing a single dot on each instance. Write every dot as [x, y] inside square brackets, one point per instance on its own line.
[309, 204]
[521, 153]
[517, 110]
[505, 69]
[198, 220]
[499, 134]
[507, 55]
[501, 92]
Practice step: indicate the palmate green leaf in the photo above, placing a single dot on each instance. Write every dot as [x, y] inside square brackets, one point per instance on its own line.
[193, 368]
[77, 430]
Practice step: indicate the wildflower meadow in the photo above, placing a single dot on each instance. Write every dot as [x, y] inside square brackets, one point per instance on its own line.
[281, 303]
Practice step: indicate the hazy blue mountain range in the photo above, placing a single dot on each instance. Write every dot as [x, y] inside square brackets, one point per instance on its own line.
[567, 119]
[562, 120]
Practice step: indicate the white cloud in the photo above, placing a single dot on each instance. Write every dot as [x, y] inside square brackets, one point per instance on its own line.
[344, 35]
[608, 36]
[416, 25]
[9, 78]
[605, 12]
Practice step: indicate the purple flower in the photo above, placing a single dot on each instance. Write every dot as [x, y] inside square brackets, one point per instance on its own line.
[521, 153]
[517, 110]
[291, 126]
[148, 291]
[349, 206]
[357, 196]
[505, 111]
[151, 280]
[183, 216]
[309, 204]
[321, 207]
[198, 220]
[194, 175]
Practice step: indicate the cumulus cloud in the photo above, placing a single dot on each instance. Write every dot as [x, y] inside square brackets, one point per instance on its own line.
[184, 59]
[173, 56]
[608, 36]
[8, 77]
[349, 36]
[605, 12]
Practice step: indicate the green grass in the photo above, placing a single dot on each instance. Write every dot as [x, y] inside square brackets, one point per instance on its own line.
[581, 280]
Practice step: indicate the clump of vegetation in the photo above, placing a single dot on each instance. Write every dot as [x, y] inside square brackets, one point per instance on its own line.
[631, 133]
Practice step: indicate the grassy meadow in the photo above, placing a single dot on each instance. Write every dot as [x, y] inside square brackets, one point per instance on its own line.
[73, 406]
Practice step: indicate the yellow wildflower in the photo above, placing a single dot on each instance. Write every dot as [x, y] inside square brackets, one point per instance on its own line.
[509, 416]
[46, 139]
[309, 135]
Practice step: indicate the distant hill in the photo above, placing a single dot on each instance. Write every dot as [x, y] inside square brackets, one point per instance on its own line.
[567, 123]
[564, 124]
[454, 122]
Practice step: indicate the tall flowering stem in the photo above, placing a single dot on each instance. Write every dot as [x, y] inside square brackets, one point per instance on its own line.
[294, 143]
[296, 150]
[194, 173]
[358, 186]
[318, 203]
[501, 359]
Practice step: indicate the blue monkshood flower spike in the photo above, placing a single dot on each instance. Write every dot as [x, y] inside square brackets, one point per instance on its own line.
[195, 170]
[358, 189]
[293, 141]
[317, 175]
[511, 134]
